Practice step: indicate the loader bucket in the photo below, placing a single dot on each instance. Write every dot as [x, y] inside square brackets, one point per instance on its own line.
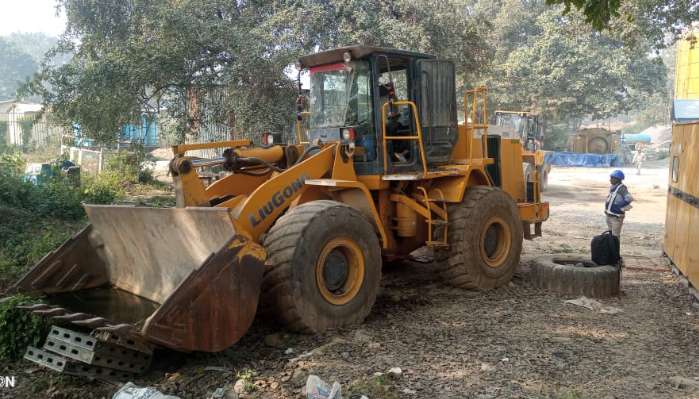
[182, 278]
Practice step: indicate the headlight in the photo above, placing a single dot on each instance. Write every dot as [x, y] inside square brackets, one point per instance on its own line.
[267, 138]
[348, 134]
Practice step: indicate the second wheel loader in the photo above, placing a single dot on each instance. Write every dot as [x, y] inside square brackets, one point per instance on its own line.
[383, 168]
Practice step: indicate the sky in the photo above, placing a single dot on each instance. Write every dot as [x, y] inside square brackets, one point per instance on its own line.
[30, 16]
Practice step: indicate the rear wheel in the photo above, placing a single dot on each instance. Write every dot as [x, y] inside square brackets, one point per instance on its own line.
[485, 240]
[323, 269]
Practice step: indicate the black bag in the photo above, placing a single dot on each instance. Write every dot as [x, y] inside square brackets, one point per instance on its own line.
[605, 249]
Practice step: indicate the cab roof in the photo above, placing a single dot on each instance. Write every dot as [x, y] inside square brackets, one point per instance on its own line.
[358, 52]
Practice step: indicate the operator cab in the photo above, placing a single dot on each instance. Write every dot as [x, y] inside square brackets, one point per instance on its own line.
[374, 98]
[520, 125]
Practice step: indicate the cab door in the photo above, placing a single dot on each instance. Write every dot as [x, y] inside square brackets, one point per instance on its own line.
[436, 101]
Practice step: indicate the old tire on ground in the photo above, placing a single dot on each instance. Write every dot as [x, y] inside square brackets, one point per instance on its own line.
[485, 240]
[575, 275]
[323, 268]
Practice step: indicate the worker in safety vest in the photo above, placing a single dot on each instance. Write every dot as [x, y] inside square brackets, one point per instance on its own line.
[638, 157]
[618, 202]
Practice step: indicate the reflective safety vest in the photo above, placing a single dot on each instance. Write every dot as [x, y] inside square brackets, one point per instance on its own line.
[615, 201]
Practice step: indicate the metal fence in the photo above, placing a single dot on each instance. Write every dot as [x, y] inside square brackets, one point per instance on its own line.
[30, 131]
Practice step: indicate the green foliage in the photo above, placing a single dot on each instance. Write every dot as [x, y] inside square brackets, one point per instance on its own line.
[554, 63]
[38, 218]
[11, 162]
[556, 137]
[18, 328]
[225, 61]
[655, 22]
[247, 376]
[106, 188]
[652, 21]
[4, 129]
[597, 12]
[132, 165]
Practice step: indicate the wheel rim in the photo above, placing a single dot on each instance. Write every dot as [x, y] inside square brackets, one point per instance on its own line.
[496, 241]
[340, 271]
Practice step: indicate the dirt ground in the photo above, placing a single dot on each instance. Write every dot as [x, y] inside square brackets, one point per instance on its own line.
[512, 342]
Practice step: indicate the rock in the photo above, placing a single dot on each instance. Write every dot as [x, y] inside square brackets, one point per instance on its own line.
[274, 385]
[409, 391]
[345, 355]
[374, 346]
[361, 336]
[239, 386]
[680, 382]
[487, 367]
[289, 351]
[377, 374]
[226, 392]
[395, 297]
[297, 378]
[395, 371]
[275, 340]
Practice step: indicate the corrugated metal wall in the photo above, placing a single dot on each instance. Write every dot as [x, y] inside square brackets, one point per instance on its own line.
[687, 68]
[681, 242]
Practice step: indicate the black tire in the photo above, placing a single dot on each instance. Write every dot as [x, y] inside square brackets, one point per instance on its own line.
[575, 275]
[293, 290]
[470, 263]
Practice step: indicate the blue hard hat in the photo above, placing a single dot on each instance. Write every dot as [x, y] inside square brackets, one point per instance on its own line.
[617, 174]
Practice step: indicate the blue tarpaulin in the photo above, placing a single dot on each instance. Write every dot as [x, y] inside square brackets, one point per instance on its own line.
[584, 160]
[145, 133]
[630, 138]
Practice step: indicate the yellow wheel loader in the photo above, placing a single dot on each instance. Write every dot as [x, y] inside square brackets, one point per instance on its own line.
[526, 127]
[380, 167]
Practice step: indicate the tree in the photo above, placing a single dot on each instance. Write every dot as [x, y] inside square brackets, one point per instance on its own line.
[225, 59]
[16, 67]
[597, 12]
[652, 20]
[553, 62]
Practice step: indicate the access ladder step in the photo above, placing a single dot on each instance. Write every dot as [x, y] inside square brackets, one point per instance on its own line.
[439, 223]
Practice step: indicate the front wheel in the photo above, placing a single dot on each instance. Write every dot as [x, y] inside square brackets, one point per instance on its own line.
[485, 240]
[324, 267]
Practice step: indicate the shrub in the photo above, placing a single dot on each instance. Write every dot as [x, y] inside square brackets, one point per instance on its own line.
[103, 189]
[4, 128]
[18, 328]
[132, 166]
